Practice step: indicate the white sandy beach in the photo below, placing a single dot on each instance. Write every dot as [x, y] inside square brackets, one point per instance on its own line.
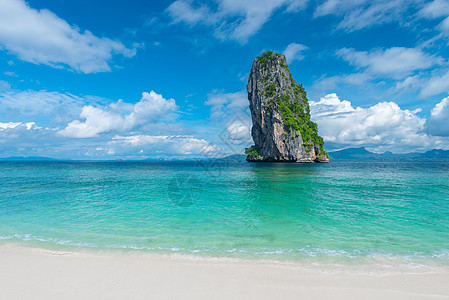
[29, 273]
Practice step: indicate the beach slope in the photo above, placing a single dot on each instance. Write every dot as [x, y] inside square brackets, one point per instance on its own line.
[29, 273]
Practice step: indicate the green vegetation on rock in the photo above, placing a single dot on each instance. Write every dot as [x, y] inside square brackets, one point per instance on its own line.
[253, 151]
[300, 92]
[264, 58]
[299, 120]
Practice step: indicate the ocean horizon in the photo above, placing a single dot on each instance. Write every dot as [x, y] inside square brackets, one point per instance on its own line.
[344, 212]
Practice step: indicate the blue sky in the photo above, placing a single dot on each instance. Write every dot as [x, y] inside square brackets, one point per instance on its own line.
[164, 79]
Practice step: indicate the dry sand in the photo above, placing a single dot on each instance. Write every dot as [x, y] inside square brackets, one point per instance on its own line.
[30, 273]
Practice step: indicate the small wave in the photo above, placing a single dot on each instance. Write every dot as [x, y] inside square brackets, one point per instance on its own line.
[370, 261]
[29, 237]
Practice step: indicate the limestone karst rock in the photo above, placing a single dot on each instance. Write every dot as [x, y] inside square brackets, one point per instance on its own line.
[282, 129]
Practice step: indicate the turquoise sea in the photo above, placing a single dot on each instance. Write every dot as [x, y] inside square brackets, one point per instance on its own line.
[341, 212]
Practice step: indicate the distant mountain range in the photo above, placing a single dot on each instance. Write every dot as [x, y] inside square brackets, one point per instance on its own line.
[363, 154]
[346, 154]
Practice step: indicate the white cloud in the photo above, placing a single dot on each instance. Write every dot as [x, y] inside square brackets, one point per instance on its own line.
[231, 119]
[394, 62]
[331, 83]
[226, 104]
[231, 19]
[9, 73]
[409, 83]
[59, 107]
[330, 7]
[4, 85]
[41, 37]
[359, 14]
[238, 132]
[438, 124]
[436, 85]
[381, 127]
[435, 9]
[294, 52]
[25, 138]
[11, 125]
[129, 123]
[120, 116]
[444, 26]
[160, 145]
[187, 12]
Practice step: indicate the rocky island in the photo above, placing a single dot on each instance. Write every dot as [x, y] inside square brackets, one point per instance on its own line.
[282, 130]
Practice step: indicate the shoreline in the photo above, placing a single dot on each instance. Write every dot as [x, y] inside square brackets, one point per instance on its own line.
[369, 265]
[39, 273]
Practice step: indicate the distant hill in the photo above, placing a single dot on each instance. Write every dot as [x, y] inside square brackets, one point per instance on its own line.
[27, 158]
[363, 154]
[353, 153]
[346, 154]
[436, 154]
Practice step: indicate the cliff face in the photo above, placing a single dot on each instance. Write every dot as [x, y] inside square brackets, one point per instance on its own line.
[282, 129]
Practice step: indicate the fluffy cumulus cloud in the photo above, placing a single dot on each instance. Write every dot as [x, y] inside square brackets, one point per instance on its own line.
[381, 127]
[438, 124]
[231, 19]
[394, 62]
[41, 37]
[118, 129]
[294, 52]
[122, 130]
[120, 116]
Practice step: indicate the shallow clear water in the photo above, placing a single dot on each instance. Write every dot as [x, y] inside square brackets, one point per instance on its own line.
[337, 212]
